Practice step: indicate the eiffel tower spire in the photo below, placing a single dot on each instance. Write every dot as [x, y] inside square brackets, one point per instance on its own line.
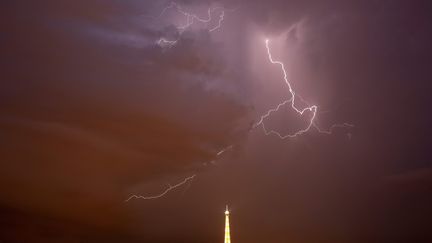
[227, 228]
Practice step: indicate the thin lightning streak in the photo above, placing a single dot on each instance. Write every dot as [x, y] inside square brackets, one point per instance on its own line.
[221, 18]
[190, 20]
[170, 188]
[183, 182]
[330, 130]
[191, 17]
[332, 127]
[291, 101]
[224, 150]
[162, 42]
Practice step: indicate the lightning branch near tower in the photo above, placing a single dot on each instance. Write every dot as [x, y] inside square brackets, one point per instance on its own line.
[292, 102]
[179, 184]
[170, 188]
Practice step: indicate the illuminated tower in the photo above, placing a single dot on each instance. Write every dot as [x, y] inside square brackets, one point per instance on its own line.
[227, 228]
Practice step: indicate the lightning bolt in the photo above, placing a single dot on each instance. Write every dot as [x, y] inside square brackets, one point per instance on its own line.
[181, 183]
[291, 101]
[190, 20]
[170, 188]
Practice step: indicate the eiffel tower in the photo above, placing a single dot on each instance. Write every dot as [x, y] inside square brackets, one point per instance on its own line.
[227, 228]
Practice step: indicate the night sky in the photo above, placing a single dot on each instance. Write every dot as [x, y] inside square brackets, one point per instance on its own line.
[93, 110]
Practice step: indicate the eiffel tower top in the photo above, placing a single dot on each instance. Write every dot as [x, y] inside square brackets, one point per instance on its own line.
[227, 227]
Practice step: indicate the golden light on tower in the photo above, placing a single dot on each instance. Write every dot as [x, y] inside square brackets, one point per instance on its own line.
[227, 228]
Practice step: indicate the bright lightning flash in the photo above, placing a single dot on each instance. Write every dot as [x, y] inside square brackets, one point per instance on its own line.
[291, 101]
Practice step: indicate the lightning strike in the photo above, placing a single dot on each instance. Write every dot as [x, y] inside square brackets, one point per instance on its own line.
[291, 101]
[330, 130]
[224, 150]
[221, 18]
